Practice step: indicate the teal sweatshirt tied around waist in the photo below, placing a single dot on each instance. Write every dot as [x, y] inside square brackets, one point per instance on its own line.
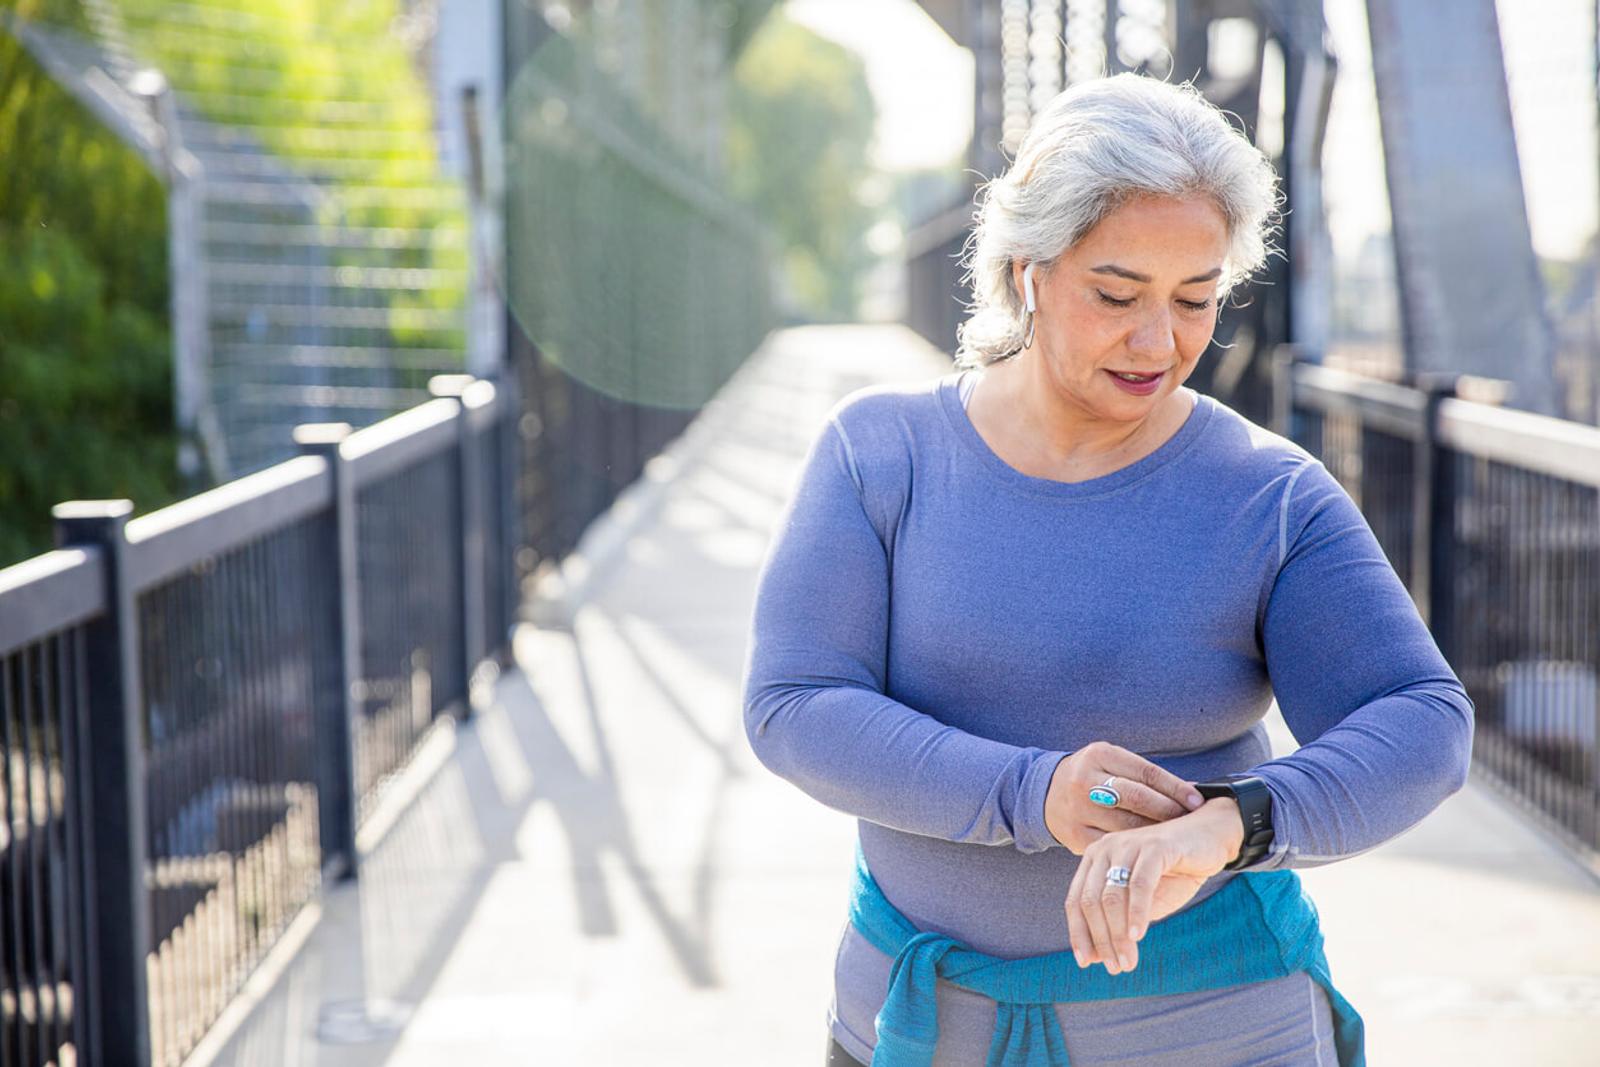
[1257, 927]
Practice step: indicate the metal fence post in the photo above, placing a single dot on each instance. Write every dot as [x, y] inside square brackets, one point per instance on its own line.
[117, 923]
[1284, 357]
[470, 515]
[1434, 498]
[507, 512]
[202, 455]
[338, 702]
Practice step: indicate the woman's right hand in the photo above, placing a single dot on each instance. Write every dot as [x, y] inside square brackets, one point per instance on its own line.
[1147, 795]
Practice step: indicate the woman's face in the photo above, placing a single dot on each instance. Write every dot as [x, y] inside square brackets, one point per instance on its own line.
[1137, 295]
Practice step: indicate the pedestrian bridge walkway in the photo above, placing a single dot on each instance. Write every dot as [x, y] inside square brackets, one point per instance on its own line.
[594, 869]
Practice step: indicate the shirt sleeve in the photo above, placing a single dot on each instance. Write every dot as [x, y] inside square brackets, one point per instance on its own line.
[1384, 724]
[815, 709]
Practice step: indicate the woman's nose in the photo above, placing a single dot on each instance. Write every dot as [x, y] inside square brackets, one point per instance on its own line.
[1152, 335]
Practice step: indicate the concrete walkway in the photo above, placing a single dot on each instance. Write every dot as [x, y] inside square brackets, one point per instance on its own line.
[598, 871]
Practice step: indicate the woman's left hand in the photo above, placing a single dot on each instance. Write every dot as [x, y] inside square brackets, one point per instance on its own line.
[1168, 861]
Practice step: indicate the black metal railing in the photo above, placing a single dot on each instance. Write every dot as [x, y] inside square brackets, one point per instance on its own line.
[43, 954]
[1492, 517]
[256, 662]
[935, 297]
[411, 653]
[231, 652]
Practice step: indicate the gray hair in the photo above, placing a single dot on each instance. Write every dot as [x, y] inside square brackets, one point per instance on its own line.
[1091, 148]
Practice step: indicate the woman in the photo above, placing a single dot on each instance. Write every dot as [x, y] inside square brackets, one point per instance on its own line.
[1017, 618]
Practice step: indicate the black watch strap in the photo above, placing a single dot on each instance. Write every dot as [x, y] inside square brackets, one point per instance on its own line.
[1255, 809]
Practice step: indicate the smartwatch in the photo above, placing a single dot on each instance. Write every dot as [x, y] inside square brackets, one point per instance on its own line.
[1255, 809]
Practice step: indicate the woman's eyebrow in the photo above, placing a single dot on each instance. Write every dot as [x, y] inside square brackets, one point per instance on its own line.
[1135, 276]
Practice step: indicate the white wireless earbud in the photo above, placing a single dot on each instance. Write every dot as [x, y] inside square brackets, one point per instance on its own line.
[1027, 287]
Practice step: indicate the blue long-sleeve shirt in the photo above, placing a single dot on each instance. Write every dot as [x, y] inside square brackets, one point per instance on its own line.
[934, 631]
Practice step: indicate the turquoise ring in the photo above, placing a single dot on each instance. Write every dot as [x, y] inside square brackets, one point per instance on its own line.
[1105, 794]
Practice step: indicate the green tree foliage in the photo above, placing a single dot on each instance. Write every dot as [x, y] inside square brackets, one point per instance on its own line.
[85, 349]
[85, 365]
[800, 125]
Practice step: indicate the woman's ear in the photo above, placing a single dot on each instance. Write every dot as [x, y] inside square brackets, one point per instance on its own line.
[1022, 278]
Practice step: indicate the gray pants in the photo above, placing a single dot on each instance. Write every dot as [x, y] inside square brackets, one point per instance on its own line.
[838, 1057]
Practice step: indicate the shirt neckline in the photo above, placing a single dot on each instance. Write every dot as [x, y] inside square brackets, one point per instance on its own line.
[950, 400]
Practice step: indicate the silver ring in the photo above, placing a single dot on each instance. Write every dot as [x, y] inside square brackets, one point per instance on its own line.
[1118, 876]
[1105, 794]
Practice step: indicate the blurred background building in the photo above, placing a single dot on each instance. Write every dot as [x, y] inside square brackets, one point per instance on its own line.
[1398, 169]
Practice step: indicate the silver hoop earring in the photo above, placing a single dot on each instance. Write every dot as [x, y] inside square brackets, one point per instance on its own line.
[1027, 339]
